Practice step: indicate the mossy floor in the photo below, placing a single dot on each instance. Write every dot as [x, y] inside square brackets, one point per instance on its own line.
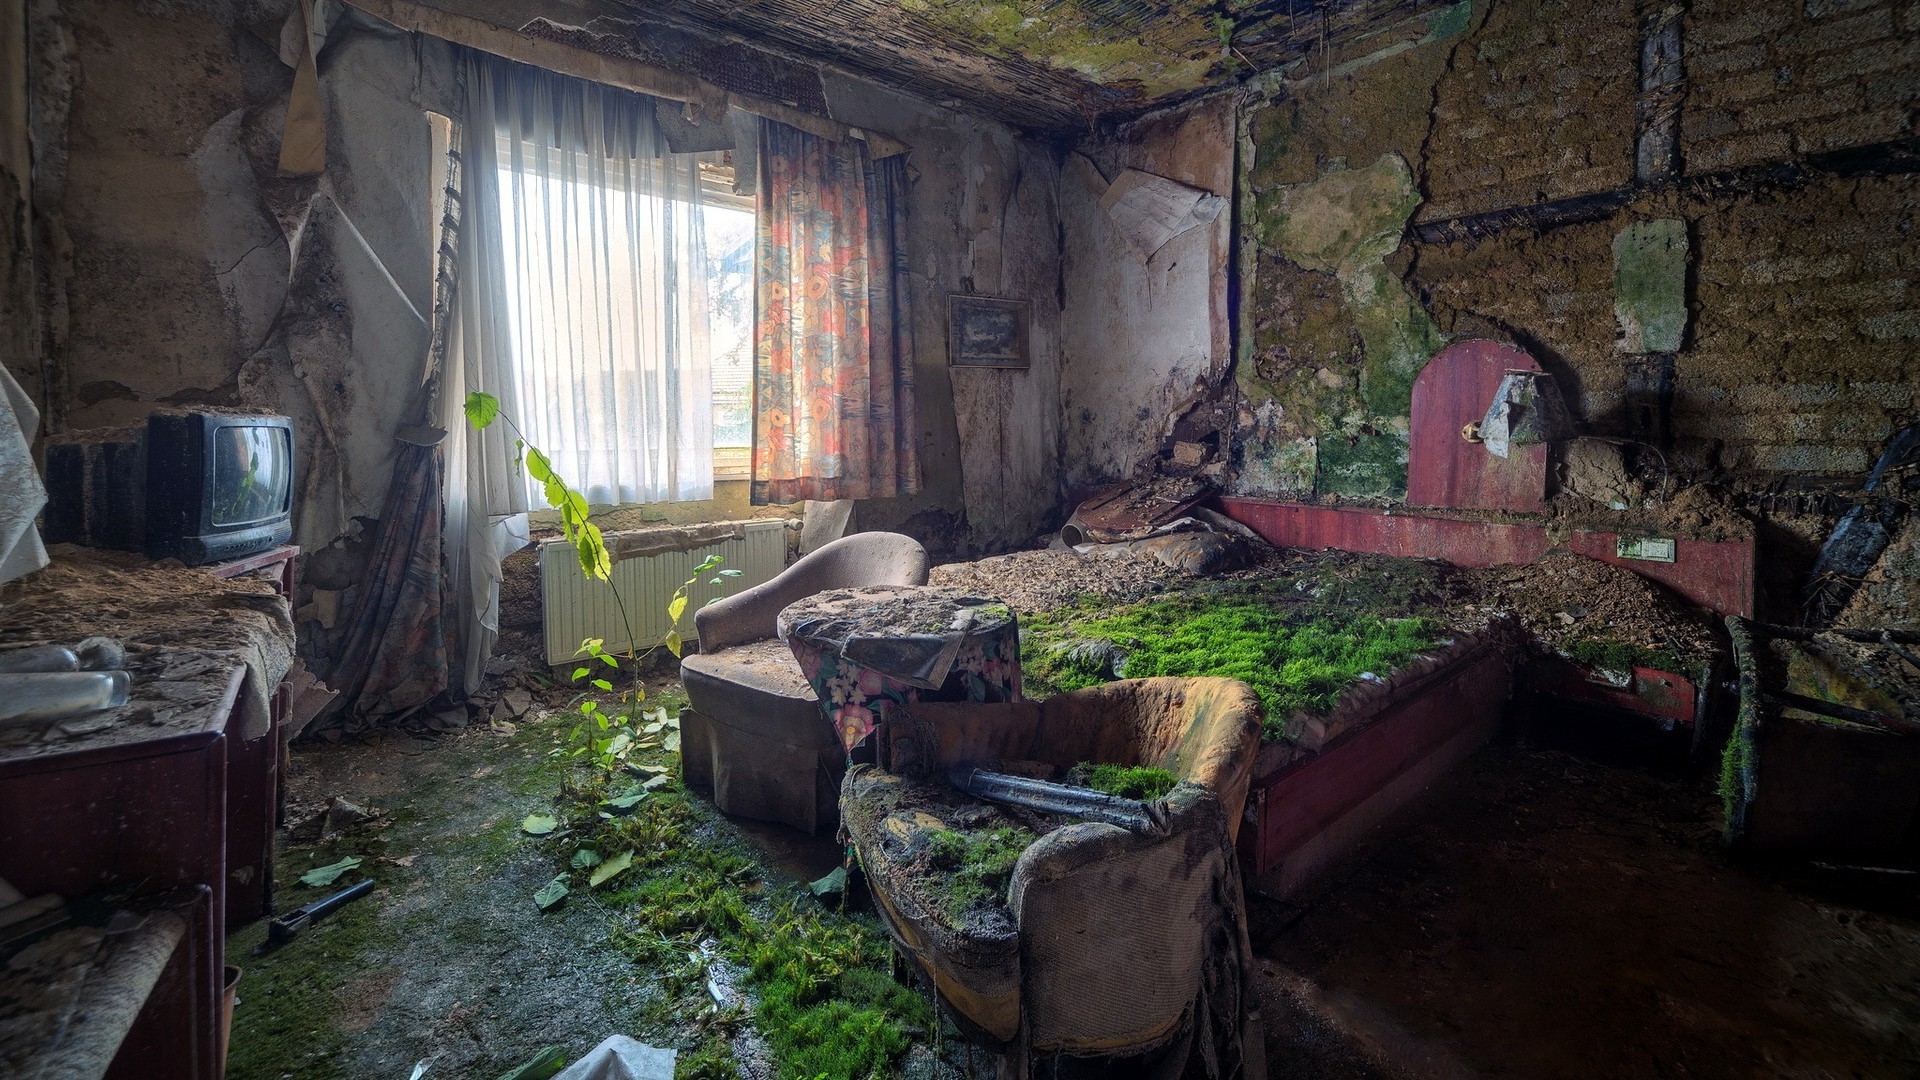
[451, 962]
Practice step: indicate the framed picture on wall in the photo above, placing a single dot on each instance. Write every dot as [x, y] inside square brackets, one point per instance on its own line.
[987, 331]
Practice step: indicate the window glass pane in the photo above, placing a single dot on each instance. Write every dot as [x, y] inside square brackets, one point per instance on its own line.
[730, 321]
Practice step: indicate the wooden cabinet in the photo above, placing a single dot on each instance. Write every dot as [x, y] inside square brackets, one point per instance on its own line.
[182, 804]
[151, 810]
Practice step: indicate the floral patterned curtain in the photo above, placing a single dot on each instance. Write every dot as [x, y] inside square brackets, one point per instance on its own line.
[834, 414]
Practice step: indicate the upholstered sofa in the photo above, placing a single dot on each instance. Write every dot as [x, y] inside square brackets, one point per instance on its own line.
[753, 733]
[1110, 942]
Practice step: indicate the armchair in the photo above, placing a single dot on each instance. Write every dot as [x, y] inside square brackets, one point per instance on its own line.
[753, 732]
[1107, 942]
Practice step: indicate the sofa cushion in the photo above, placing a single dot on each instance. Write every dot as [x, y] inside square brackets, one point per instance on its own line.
[758, 667]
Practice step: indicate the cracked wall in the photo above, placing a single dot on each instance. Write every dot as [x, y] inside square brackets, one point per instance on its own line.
[1748, 310]
[1143, 340]
[182, 269]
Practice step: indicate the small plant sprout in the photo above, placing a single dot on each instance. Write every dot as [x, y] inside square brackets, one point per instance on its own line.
[603, 738]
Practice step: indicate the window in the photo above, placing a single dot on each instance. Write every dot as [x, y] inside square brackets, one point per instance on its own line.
[629, 282]
[729, 247]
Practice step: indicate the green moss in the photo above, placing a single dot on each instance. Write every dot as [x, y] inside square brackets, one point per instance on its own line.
[980, 864]
[1452, 22]
[1143, 782]
[1650, 285]
[1362, 464]
[1086, 38]
[1295, 656]
[825, 1001]
[1613, 655]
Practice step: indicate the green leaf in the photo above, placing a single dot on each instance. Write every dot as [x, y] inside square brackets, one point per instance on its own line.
[671, 742]
[580, 673]
[601, 683]
[584, 858]
[551, 893]
[538, 824]
[624, 803]
[592, 646]
[610, 869]
[658, 782]
[538, 466]
[609, 660]
[556, 493]
[594, 561]
[330, 873]
[589, 707]
[831, 885]
[482, 409]
[619, 745]
[673, 642]
[731, 573]
[676, 608]
[600, 719]
[541, 1066]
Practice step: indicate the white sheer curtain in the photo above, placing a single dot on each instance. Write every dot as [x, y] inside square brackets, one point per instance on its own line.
[605, 287]
[581, 305]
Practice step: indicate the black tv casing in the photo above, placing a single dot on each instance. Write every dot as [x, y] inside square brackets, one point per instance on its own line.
[179, 510]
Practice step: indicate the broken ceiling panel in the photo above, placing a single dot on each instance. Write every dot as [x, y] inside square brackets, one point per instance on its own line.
[1050, 66]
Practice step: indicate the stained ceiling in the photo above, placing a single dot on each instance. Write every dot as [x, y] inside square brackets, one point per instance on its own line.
[1057, 67]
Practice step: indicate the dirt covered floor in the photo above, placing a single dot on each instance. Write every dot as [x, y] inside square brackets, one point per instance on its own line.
[450, 961]
[1541, 915]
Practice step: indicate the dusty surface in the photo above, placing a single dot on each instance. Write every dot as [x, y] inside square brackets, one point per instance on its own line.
[180, 663]
[1540, 915]
[448, 960]
[1035, 581]
[1567, 598]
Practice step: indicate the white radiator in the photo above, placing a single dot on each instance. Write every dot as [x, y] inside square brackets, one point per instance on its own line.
[579, 607]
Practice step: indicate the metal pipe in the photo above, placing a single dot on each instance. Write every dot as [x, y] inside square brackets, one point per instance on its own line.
[1130, 814]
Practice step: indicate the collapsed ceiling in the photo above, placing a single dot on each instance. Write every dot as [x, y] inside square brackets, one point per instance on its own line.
[1054, 66]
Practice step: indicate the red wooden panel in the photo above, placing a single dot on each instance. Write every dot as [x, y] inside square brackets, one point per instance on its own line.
[1454, 390]
[1661, 694]
[1460, 541]
[1305, 799]
[1716, 574]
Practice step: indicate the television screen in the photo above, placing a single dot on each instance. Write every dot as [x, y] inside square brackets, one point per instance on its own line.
[252, 474]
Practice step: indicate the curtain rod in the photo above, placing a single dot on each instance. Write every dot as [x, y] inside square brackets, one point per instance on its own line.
[612, 70]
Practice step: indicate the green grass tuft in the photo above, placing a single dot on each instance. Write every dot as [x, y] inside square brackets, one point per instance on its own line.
[1143, 782]
[980, 864]
[1295, 657]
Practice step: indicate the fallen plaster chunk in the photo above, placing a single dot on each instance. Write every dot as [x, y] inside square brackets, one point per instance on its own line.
[1150, 210]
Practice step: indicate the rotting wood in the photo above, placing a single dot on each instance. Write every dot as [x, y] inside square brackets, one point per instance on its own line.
[1741, 766]
[617, 71]
[1837, 711]
[1897, 158]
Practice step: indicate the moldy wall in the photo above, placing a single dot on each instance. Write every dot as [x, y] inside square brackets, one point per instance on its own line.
[184, 270]
[1143, 340]
[1699, 219]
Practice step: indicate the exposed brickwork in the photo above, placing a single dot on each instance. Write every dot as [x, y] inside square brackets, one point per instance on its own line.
[1803, 355]
[1772, 80]
[1538, 106]
[1554, 292]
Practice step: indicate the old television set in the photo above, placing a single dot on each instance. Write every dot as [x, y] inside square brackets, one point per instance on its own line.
[219, 485]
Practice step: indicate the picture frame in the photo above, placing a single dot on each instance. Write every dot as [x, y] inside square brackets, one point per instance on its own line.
[988, 332]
